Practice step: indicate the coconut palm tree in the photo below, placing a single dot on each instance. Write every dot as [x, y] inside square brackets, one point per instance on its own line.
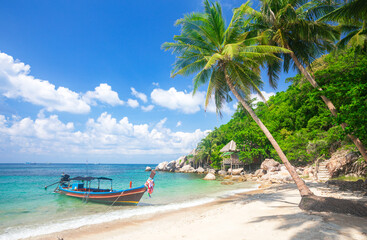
[352, 17]
[291, 24]
[228, 60]
[205, 150]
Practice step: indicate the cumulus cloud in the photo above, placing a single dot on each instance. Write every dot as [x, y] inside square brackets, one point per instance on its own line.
[139, 95]
[16, 82]
[178, 100]
[104, 94]
[104, 135]
[266, 95]
[179, 123]
[185, 102]
[132, 103]
[147, 108]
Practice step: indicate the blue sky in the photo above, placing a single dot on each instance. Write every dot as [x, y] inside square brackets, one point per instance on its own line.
[88, 80]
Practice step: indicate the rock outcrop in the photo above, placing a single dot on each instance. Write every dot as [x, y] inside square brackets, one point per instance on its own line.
[171, 166]
[342, 162]
[187, 169]
[273, 171]
[162, 166]
[181, 161]
[270, 165]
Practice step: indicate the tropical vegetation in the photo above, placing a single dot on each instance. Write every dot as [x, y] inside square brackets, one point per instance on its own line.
[293, 24]
[282, 34]
[228, 58]
[302, 126]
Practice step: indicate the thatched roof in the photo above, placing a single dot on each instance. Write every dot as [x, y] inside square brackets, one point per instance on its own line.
[230, 147]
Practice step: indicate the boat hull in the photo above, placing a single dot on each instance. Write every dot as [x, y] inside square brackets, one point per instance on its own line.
[122, 197]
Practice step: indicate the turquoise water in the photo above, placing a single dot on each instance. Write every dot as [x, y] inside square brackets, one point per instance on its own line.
[27, 209]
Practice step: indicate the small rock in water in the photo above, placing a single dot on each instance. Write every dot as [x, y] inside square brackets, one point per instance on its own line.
[148, 169]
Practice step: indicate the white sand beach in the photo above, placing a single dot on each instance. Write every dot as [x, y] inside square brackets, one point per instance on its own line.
[271, 213]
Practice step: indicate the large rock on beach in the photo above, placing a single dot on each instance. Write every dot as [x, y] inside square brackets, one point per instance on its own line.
[237, 171]
[270, 164]
[162, 166]
[209, 176]
[171, 166]
[222, 172]
[180, 162]
[148, 169]
[200, 170]
[212, 171]
[259, 173]
[188, 169]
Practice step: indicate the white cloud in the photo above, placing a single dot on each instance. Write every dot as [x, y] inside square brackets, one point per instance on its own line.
[235, 105]
[179, 123]
[259, 99]
[132, 103]
[178, 100]
[185, 102]
[147, 108]
[212, 108]
[104, 94]
[155, 84]
[16, 82]
[139, 95]
[104, 135]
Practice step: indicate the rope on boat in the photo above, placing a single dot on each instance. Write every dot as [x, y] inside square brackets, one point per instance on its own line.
[117, 198]
[86, 195]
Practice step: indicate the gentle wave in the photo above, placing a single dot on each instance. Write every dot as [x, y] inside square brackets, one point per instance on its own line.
[18, 233]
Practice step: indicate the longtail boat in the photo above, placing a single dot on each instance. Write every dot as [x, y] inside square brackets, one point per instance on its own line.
[80, 187]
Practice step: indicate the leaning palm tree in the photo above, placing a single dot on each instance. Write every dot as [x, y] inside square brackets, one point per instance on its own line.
[291, 24]
[228, 60]
[352, 18]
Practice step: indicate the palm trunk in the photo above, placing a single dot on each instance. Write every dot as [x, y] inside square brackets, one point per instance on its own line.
[303, 189]
[330, 105]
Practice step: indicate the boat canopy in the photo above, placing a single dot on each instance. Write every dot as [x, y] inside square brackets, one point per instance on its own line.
[89, 178]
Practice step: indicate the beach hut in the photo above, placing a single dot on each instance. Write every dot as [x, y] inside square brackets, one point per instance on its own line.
[230, 154]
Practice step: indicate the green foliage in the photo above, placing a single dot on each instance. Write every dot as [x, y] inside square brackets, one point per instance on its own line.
[220, 55]
[344, 81]
[292, 25]
[298, 119]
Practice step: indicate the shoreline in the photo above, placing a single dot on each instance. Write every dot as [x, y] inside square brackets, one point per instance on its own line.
[271, 210]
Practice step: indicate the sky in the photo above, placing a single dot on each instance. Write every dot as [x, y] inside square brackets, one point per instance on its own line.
[87, 80]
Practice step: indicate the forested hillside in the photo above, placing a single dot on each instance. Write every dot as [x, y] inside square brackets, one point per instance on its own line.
[298, 118]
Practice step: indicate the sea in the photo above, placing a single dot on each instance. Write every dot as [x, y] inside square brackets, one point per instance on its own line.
[27, 209]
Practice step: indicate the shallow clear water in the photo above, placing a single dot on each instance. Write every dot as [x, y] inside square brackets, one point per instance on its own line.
[27, 209]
